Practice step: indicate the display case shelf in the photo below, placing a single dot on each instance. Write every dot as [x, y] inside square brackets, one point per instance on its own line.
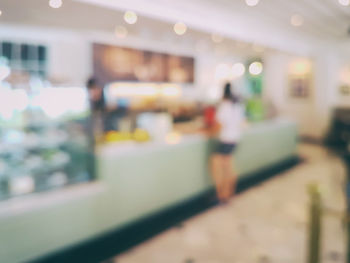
[45, 140]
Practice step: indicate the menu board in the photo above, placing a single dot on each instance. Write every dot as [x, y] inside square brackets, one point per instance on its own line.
[112, 63]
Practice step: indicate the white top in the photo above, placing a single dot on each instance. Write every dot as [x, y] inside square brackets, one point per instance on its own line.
[231, 117]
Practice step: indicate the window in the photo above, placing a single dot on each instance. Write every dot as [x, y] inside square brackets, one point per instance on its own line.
[23, 57]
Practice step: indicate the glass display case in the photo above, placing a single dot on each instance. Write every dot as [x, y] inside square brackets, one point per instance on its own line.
[45, 139]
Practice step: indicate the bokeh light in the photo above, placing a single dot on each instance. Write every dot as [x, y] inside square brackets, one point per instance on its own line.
[180, 28]
[300, 67]
[252, 2]
[130, 17]
[256, 68]
[121, 32]
[344, 2]
[55, 3]
[170, 91]
[297, 20]
[238, 70]
[4, 72]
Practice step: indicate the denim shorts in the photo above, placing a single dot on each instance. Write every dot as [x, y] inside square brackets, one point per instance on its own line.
[225, 148]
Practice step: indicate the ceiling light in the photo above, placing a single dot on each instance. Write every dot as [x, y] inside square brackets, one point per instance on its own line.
[252, 2]
[300, 67]
[55, 3]
[256, 68]
[217, 38]
[344, 2]
[121, 32]
[297, 20]
[130, 17]
[180, 28]
[238, 70]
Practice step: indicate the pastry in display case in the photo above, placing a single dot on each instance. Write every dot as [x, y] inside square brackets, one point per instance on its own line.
[45, 139]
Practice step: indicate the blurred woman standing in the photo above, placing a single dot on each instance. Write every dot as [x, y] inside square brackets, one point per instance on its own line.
[229, 119]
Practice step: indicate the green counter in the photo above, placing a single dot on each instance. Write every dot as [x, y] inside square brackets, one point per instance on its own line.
[134, 181]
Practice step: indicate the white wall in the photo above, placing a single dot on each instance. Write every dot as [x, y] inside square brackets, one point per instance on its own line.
[338, 99]
[70, 61]
[70, 54]
[312, 114]
[276, 90]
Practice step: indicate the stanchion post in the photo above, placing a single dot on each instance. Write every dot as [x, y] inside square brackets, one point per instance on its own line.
[314, 224]
[347, 165]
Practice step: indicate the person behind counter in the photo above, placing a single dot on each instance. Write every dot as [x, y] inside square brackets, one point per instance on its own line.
[97, 106]
[105, 118]
[97, 101]
[229, 120]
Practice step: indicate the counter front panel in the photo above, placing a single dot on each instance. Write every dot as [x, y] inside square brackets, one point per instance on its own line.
[137, 181]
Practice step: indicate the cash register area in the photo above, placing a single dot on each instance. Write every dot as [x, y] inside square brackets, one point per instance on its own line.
[125, 178]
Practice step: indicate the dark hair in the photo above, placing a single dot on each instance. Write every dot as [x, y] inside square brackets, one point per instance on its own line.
[91, 82]
[228, 95]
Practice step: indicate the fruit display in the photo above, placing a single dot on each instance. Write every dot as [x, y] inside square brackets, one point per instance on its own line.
[140, 135]
[137, 135]
[117, 136]
[45, 141]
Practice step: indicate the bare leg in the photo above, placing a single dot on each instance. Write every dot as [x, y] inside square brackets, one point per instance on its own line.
[230, 177]
[217, 175]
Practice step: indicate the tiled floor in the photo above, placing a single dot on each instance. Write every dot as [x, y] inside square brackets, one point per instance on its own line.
[267, 223]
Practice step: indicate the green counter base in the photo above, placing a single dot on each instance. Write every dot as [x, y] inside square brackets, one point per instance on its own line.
[113, 243]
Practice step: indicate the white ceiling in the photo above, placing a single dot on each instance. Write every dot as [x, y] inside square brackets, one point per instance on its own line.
[323, 18]
[268, 23]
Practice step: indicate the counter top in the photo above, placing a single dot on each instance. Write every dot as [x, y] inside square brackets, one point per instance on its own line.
[125, 148]
[130, 147]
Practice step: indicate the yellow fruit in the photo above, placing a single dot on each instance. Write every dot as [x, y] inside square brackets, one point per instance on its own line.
[141, 135]
[111, 136]
[114, 136]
